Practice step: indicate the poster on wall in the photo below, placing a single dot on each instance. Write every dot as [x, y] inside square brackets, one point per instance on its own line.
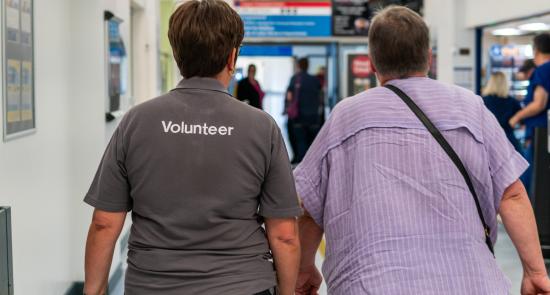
[117, 70]
[351, 17]
[359, 74]
[276, 18]
[12, 23]
[18, 69]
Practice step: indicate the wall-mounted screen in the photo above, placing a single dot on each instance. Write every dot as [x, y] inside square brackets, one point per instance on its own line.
[116, 62]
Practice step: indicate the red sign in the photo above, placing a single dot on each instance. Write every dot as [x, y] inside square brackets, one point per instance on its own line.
[360, 66]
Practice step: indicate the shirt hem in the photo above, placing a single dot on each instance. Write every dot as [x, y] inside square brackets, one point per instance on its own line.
[281, 213]
[109, 207]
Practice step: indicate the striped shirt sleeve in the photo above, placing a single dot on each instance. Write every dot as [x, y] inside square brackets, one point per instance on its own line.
[311, 175]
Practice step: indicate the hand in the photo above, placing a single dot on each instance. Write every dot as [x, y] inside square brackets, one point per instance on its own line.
[309, 281]
[535, 284]
[514, 121]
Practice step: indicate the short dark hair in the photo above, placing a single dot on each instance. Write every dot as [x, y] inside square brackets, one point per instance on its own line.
[528, 65]
[203, 34]
[542, 43]
[399, 42]
[303, 64]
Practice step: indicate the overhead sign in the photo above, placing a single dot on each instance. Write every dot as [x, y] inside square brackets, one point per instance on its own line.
[350, 17]
[266, 50]
[285, 19]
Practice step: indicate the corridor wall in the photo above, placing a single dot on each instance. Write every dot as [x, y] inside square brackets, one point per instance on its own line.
[44, 176]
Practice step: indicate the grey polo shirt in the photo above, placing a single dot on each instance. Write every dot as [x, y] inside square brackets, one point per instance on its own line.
[199, 170]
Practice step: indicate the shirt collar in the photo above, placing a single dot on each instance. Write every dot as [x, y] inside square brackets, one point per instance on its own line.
[202, 83]
[415, 78]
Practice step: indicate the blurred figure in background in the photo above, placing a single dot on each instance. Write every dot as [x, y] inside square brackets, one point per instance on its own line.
[303, 102]
[536, 101]
[526, 70]
[497, 99]
[322, 76]
[249, 90]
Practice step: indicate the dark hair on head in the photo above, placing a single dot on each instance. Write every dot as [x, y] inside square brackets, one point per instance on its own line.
[542, 43]
[250, 66]
[203, 33]
[303, 64]
[399, 42]
[528, 65]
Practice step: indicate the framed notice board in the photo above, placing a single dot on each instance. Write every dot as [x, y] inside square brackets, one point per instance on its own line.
[18, 107]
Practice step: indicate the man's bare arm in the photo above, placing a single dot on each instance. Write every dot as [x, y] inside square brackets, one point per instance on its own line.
[519, 220]
[285, 244]
[309, 278]
[310, 238]
[540, 101]
[102, 236]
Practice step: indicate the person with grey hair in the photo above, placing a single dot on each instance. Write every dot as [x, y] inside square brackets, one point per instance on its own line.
[406, 181]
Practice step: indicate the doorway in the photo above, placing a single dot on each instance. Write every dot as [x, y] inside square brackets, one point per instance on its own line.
[275, 65]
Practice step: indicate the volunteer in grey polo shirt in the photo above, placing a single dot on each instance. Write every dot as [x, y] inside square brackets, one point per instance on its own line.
[201, 172]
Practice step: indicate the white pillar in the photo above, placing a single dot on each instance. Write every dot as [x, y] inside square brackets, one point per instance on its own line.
[446, 19]
[145, 45]
[440, 17]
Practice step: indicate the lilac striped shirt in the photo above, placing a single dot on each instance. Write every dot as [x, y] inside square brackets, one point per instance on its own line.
[397, 214]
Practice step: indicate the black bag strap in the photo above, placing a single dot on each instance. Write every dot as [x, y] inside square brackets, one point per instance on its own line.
[450, 152]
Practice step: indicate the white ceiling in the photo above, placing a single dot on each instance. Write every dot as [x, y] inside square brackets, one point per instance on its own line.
[514, 27]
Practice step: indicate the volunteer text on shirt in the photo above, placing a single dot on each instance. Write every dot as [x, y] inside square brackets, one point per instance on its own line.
[204, 129]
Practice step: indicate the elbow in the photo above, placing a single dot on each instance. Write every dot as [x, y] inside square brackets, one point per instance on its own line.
[292, 241]
[514, 194]
[516, 191]
[283, 232]
[99, 225]
[285, 241]
[102, 224]
[539, 107]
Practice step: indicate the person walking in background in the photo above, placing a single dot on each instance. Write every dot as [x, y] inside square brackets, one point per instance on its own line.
[249, 90]
[322, 76]
[497, 99]
[201, 173]
[534, 114]
[402, 212]
[303, 103]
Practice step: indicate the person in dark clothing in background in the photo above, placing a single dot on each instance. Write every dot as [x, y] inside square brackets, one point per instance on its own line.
[498, 101]
[322, 76]
[526, 70]
[533, 115]
[303, 103]
[249, 90]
